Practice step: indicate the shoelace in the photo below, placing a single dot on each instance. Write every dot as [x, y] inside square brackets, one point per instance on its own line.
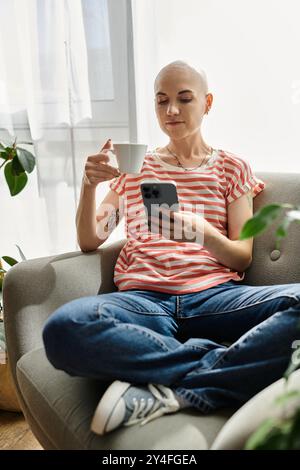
[164, 404]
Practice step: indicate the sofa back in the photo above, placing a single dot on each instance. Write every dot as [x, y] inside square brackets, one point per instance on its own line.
[271, 266]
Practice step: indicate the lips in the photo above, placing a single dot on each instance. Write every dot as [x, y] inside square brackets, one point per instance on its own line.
[173, 123]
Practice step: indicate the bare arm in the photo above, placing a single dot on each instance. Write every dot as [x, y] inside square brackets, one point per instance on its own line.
[233, 253]
[96, 171]
[92, 229]
[86, 219]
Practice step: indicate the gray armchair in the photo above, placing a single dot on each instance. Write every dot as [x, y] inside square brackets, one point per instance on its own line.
[58, 407]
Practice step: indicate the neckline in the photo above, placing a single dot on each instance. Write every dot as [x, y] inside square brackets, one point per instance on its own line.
[179, 168]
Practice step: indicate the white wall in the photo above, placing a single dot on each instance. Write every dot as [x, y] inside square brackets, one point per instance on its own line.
[250, 52]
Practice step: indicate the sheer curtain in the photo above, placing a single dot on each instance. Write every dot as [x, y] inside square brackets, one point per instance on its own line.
[55, 60]
[249, 51]
[43, 63]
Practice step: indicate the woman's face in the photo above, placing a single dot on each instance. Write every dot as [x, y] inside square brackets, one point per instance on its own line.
[174, 102]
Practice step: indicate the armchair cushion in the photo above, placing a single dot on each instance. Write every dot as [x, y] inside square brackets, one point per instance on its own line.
[63, 406]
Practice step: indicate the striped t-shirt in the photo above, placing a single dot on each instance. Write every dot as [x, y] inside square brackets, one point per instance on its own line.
[148, 260]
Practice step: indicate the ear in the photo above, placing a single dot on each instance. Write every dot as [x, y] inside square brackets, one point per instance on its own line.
[209, 101]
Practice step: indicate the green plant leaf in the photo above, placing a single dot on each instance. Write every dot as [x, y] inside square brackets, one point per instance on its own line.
[9, 260]
[260, 221]
[281, 231]
[294, 436]
[15, 183]
[17, 168]
[288, 396]
[259, 436]
[269, 212]
[252, 227]
[3, 154]
[11, 152]
[271, 435]
[27, 159]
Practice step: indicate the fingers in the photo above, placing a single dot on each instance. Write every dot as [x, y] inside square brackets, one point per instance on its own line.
[161, 225]
[162, 216]
[102, 168]
[98, 177]
[97, 168]
[99, 157]
[102, 156]
[165, 223]
[97, 173]
[166, 213]
[107, 146]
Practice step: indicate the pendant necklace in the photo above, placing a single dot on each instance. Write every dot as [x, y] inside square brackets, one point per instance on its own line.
[190, 169]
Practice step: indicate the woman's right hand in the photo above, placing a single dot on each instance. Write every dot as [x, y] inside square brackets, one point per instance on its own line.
[97, 169]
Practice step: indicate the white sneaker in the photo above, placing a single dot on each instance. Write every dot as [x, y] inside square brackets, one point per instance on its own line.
[124, 404]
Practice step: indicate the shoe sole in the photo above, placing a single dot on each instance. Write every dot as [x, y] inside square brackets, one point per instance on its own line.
[106, 406]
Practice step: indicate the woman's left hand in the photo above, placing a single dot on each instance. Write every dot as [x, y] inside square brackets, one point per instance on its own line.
[181, 226]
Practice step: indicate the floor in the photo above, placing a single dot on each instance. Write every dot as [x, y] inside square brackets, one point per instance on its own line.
[15, 433]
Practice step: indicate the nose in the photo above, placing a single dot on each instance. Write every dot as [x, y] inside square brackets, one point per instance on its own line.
[172, 110]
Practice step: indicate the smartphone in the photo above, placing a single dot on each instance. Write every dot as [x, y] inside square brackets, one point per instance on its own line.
[159, 193]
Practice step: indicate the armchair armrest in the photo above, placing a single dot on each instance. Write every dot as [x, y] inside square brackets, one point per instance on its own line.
[33, 289]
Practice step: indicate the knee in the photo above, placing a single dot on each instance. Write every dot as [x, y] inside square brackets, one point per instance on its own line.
[55, 335]
[66, 329]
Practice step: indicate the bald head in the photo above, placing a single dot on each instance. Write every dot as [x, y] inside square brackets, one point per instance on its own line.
[184, 69]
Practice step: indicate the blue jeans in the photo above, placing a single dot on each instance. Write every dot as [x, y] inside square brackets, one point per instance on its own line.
[144, 337]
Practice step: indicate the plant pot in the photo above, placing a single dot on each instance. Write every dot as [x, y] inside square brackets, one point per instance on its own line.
[8, 396]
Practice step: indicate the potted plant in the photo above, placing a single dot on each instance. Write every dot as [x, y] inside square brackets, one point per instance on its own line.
[17, 162]
[283, 431]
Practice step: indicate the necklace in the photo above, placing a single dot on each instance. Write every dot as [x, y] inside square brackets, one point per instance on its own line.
[190, 169]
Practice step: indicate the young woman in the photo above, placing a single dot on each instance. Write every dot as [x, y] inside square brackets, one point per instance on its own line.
[159, 341]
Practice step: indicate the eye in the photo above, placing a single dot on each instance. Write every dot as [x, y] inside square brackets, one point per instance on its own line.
[183, 100]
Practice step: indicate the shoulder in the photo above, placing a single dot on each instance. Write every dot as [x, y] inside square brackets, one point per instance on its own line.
[230, 158]
[233, 163]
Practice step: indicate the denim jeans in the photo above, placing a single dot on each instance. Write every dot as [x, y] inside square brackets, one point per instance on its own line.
[215, 348]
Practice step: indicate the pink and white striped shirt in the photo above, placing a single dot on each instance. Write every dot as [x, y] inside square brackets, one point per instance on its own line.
[150, 261]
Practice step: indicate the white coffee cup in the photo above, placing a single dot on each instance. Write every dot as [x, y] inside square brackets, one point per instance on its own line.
[129, 156]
